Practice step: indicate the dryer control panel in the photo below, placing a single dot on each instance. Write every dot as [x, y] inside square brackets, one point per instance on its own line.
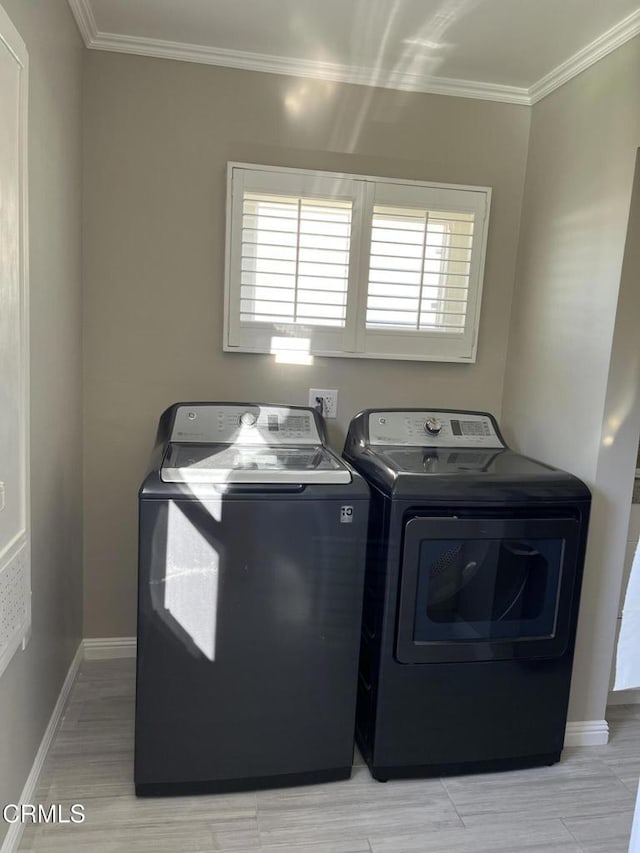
[428, 428]
[251, 424]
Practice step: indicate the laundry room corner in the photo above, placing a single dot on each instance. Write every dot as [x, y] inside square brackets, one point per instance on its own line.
[573, 368]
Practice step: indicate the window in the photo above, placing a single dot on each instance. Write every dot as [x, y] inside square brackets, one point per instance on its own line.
[348, 265]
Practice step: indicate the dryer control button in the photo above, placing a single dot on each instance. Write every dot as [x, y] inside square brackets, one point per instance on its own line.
[248, 419]
[433, 426]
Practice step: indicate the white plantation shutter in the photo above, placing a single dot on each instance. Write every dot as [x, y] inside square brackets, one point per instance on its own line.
[425, 263]
[366, 267]
[419, 269]
[289, 267]
[295, 260]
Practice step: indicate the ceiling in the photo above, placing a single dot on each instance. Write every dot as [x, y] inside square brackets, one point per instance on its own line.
[505, 50]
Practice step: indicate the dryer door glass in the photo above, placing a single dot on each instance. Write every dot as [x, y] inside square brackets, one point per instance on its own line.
[485, 588]
[480, 589]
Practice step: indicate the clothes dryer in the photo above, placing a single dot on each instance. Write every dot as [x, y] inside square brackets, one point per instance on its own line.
[251, 563]
[472, 588]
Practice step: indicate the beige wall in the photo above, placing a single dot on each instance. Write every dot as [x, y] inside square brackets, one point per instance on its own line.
[29, 687]
[573, 374]
[157, 136]
[621, 422]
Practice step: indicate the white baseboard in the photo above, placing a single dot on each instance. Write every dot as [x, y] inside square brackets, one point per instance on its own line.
[108, 648]
[13, 836]
[624, 697]
[587, 733]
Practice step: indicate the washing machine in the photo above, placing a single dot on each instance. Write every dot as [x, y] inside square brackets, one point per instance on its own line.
[252, 538]
[472, 588]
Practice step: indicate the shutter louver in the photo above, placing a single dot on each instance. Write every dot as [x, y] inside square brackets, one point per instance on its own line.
[294, 260]
[419, 269]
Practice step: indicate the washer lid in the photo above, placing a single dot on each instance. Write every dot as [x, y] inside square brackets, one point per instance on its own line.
[434, 455]
[434, 461]
[225, 463]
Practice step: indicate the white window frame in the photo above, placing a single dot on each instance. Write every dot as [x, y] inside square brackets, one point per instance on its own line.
[15, 547]
[354, 340]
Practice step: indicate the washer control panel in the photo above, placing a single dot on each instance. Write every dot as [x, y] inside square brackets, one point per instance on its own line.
[244, 424]
[433, 429]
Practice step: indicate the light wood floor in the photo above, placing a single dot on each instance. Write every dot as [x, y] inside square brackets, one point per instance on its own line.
[582, 805]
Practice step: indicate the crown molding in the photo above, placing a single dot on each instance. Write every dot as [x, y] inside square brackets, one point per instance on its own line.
[609, 41]
[339, 73]
[335, 72]
[83, 13]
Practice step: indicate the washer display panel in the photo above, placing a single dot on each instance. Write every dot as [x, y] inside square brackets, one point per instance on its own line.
[427, 428]
[233, 423]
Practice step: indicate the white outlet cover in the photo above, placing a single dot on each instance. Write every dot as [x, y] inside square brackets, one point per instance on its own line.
[330, 398]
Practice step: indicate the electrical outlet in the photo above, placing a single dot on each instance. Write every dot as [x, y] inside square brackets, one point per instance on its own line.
[329, 401]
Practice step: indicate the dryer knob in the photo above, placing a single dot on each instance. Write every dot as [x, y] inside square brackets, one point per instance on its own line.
[248, 419]
[433, 426]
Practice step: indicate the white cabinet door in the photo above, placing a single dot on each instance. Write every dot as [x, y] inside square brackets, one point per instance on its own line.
[15, 615]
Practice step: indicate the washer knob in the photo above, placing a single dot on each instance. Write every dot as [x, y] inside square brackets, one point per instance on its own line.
[248, 419]
[432, 426]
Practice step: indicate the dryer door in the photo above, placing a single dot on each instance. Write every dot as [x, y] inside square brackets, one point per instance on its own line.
[486, 589]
